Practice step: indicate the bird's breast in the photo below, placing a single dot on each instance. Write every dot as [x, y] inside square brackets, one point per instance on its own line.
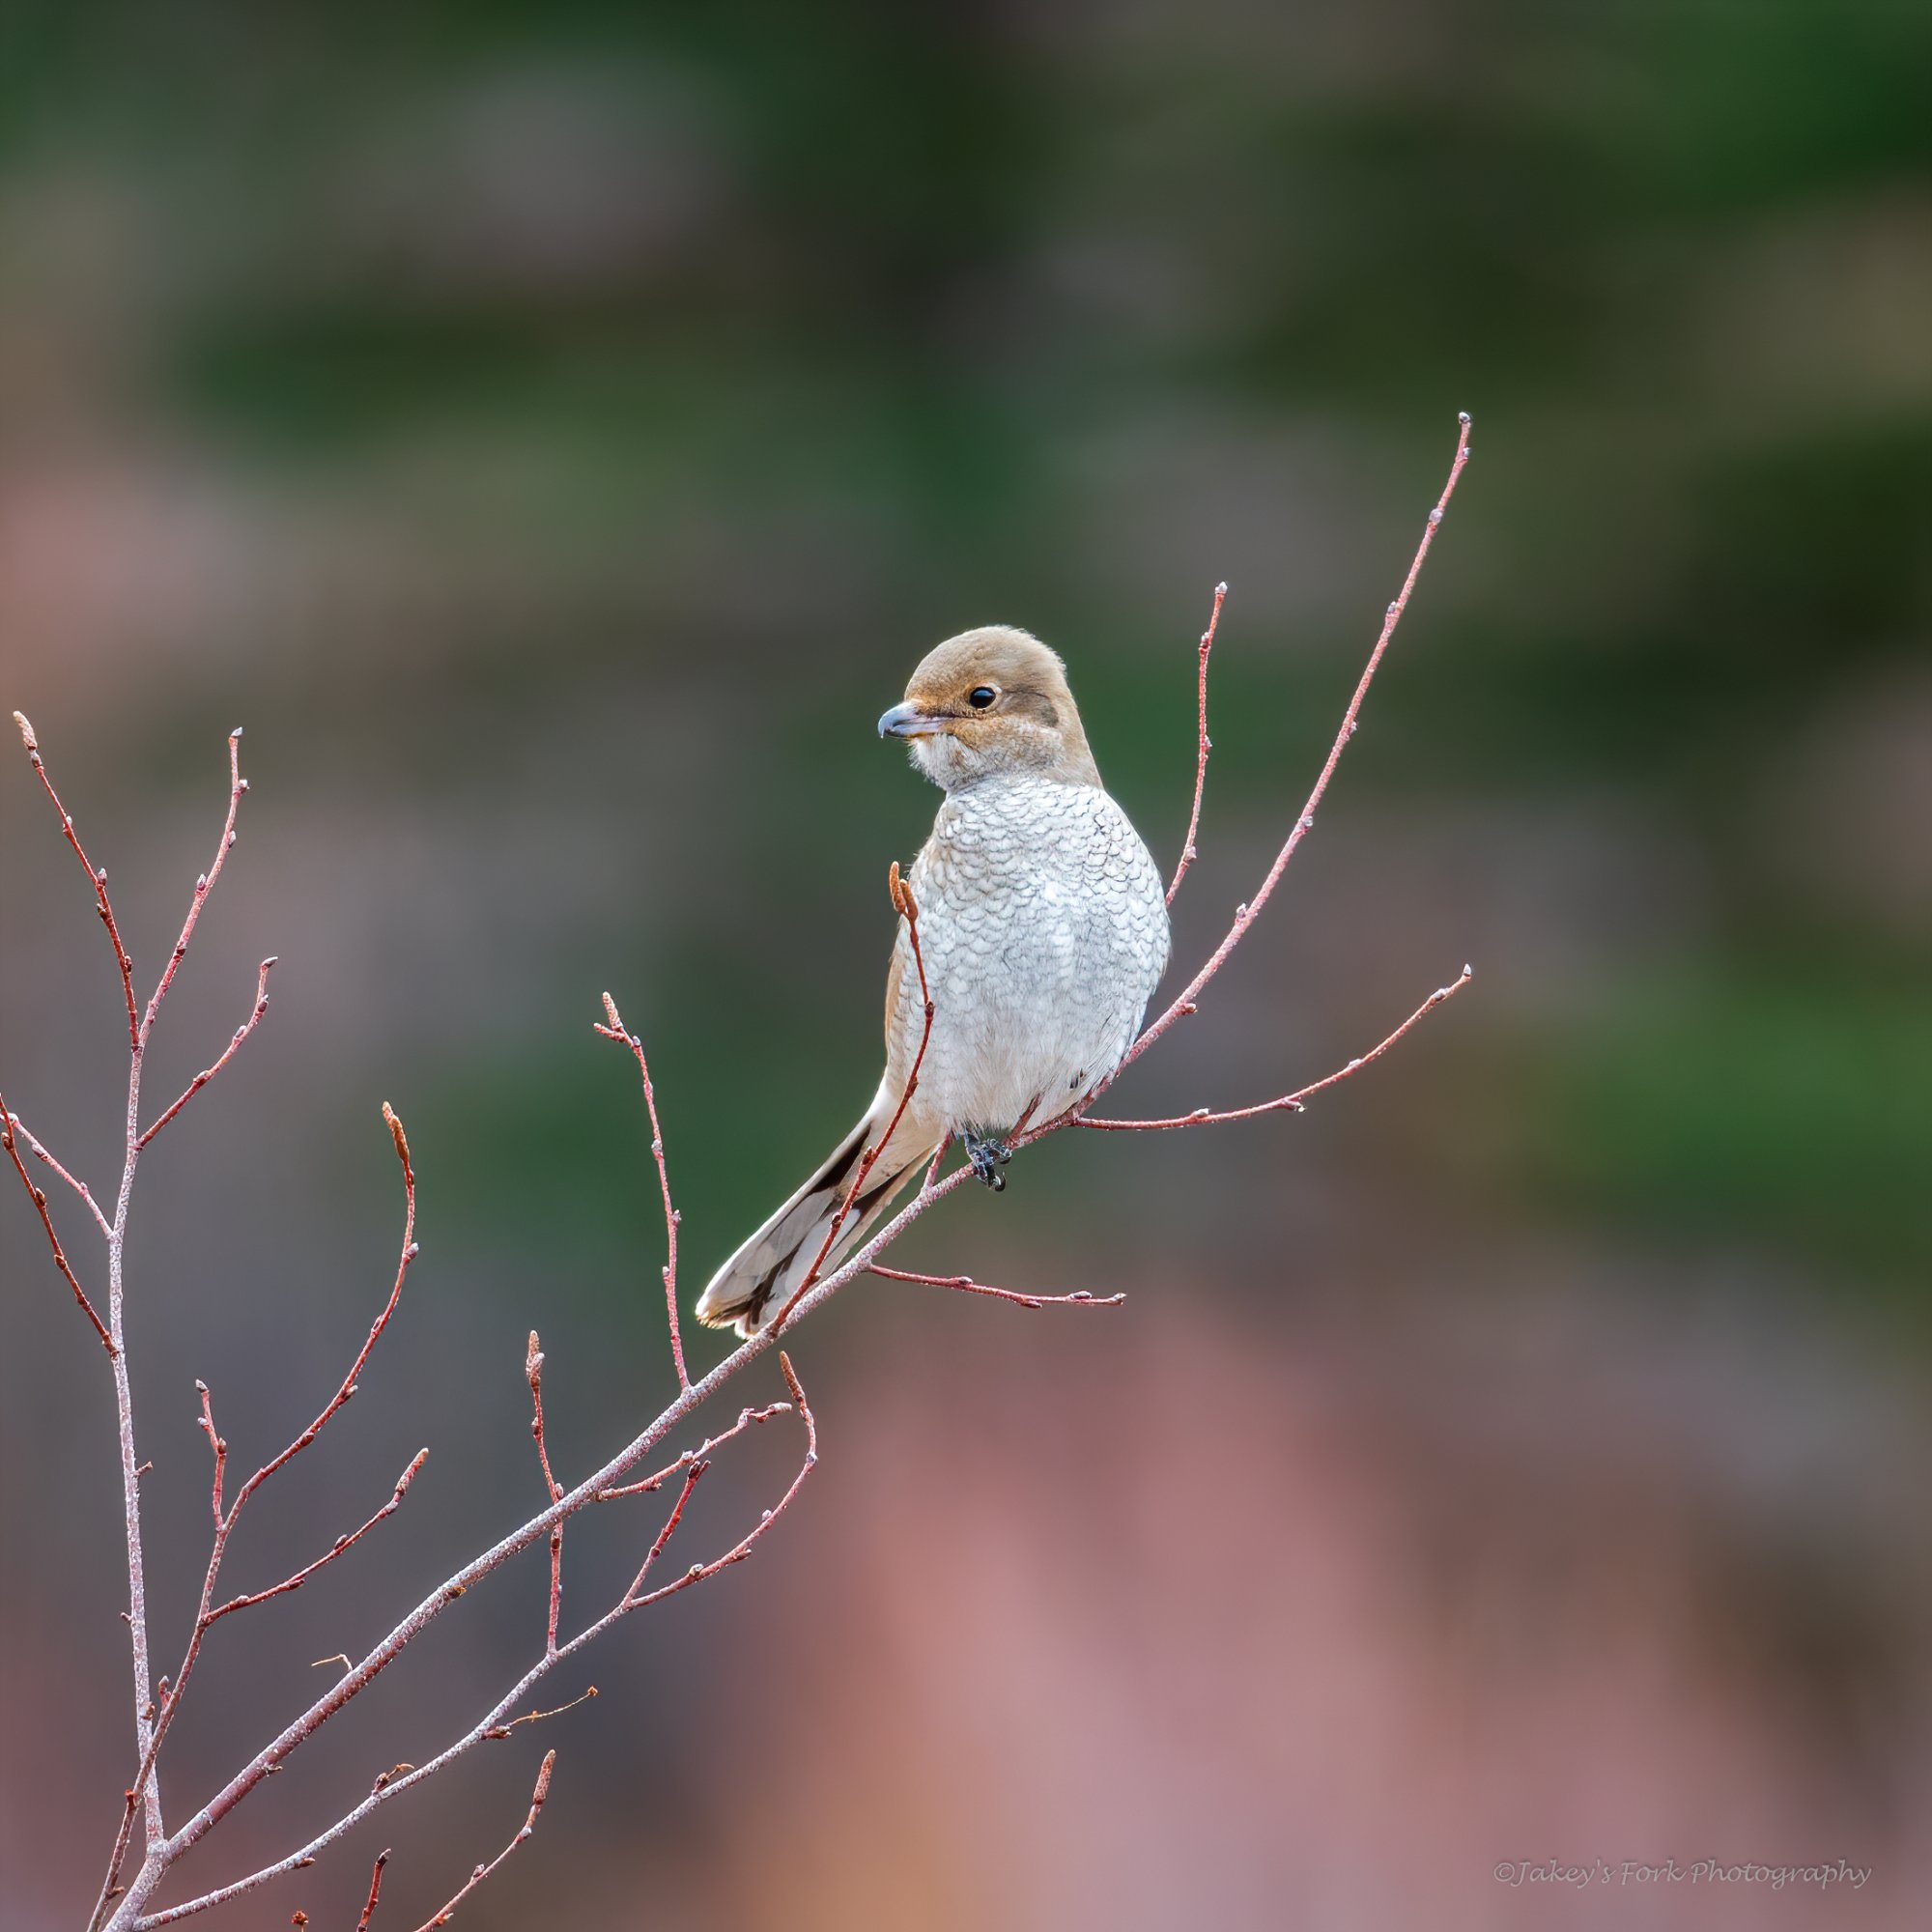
[1045, 931]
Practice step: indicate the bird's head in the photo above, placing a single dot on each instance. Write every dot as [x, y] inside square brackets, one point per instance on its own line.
[989, 702]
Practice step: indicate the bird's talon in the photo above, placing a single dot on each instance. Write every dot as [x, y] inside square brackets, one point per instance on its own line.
[988, 1156]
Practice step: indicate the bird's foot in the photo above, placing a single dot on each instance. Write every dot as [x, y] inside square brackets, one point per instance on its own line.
[989, 1155]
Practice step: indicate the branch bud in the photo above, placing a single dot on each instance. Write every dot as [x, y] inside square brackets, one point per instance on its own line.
[401, 1139]
[27, 737]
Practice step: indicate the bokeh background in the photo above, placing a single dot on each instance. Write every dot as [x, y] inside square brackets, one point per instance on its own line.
[555, 434]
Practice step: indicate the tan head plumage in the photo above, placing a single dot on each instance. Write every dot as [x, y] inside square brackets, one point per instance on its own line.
[992, 700]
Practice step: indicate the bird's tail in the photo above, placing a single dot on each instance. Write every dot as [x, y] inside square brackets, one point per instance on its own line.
[757, 1283]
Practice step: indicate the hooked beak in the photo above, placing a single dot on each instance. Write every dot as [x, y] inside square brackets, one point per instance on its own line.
[908, 720]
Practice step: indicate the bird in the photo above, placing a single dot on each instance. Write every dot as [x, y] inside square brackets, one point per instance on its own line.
[1044, 928]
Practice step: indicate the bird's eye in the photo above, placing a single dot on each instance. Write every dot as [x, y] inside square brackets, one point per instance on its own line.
[981, 697]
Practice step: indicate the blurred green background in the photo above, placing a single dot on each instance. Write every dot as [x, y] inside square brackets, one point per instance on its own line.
[556, 434]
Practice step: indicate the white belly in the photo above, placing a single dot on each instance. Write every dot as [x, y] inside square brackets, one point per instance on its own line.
[1044, 933]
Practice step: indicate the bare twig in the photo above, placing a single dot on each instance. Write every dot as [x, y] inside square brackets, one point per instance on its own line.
[747, 1419]
[347, 1387]
[1293, 1104]
[37, 1196]
[541, 1716]
[1186, 1000]
[203, 885]
[79, 1186]
[691, 1478]
[966, 1285]
[228, 1052]
[1203, 746]
[97, 875]
[538, 1797]
[339, 1548]
[615, 1029]
[375, 1892]
[533, 1362]
[932, 1166]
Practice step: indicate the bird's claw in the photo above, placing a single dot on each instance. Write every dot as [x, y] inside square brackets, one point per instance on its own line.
[989, 1156]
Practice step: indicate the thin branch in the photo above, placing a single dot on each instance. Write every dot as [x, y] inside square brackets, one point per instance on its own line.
[966, 1285]
[228, 1053]
[617, 1031]
[533, 1362]
[97, 876]
[203, 885]
[477, 1878]
[375, 1892]
[932, 1166]
[38, 1195]
[217, 1445]
[1204, 1116]
[541, 1716]
[747, 1418]
[73, 1180]
[1186, 1000]
[1188, 854]
[339, 1548]
[907, 907]
[691, 1478]
[347, 1389]
[742, 1549]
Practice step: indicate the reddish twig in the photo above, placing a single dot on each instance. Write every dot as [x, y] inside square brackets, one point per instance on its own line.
[1204, 1116]
[228, 1052]
[747, 1418]
[742, 1549]
[1186, 1000]
[907, 908]
[217, 1445]
[1202, 748]
[347, 1387]
[73, 1180]
[38, 1195]
[97, 875]
[375, 1892]
[203, 885]
[533, 1362]
[932, 1166]
[693, 1472]
[966, 1285]
[538, 1798]
[616, 1030]
[340, 1546]
[540, 1716]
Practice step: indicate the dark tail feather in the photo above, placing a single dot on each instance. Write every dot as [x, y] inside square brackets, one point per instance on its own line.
[756, 1284]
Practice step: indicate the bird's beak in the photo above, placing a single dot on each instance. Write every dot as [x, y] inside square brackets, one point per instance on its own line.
[907, 721]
